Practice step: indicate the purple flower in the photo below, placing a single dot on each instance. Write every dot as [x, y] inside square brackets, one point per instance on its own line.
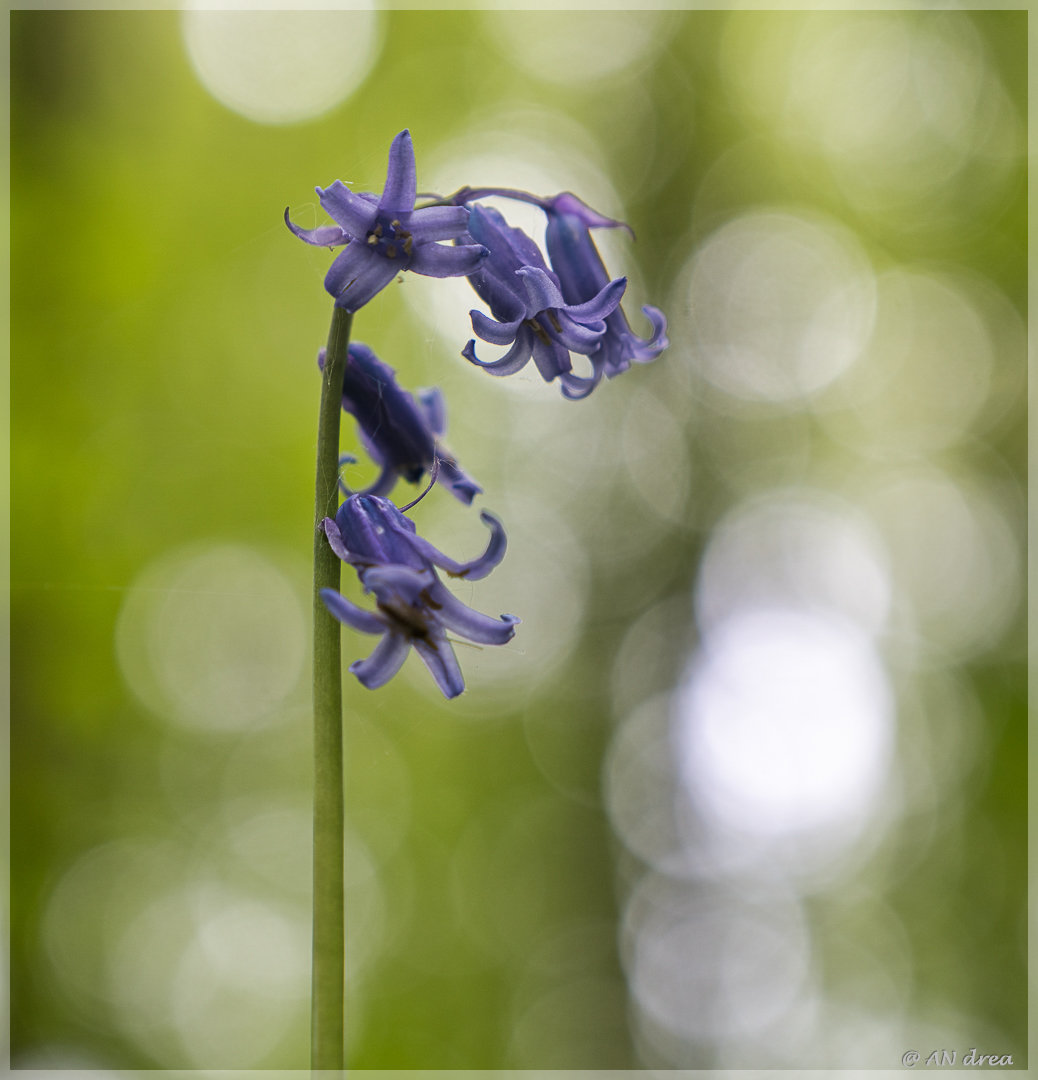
[529, 310]
[413, 607]
[384, 234]
[400, 434]
[582, 274]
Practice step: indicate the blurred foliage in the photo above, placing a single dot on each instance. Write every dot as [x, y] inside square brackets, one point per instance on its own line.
[163, 393]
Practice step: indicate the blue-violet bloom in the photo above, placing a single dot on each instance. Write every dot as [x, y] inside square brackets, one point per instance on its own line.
[384, 234]
[400, 434]
[582, 274]
[529, 310]
[413, 607]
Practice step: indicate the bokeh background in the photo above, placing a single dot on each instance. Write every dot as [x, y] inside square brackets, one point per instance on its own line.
[748, 788]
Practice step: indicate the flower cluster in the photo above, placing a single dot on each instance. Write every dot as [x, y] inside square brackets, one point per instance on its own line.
[542, 308]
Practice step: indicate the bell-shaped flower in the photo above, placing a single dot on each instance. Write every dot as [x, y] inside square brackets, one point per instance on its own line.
[401, 434]
[530, 312]
[384, 234]
[582, 274]
[413, 608]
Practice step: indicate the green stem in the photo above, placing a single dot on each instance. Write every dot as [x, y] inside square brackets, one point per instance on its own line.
[329, 928]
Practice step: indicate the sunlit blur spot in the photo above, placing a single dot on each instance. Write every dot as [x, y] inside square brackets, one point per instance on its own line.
[655, 454]
[272, 841]
[576, 47]
[798, 548]
[88, 909]
[783, 725]
[204, 974]
[714, 968]
[212, 636]
[280, 67]
[780, 305]
[897, 106]
[926, 372]
[956, 557]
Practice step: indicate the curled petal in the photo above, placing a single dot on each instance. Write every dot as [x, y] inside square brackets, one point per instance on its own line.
[322, 236]
[541, 291]
[575, 387]
[441, 260]
[353, 212]
[387, 659]
[439, 658]
[459, 617]
[603, 303]
[514, 360]
[346, 612]
[578, 337]
[437, 223]
[497, 333]
[645, 351]
[477, 568]
[401, 188]
[358, 274]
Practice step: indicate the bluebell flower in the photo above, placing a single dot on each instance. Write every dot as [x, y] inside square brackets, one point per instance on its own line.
[581, 275]
[413, 608]
[384, 234]
[529, 310]
[400, 434]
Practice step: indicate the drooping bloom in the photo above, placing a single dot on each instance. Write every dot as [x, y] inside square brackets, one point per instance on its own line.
[400, 434]
[530, 312]
[581, 275]
[414, 609]
[384, 234]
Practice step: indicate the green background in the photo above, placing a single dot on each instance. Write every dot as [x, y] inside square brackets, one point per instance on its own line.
[163, 403]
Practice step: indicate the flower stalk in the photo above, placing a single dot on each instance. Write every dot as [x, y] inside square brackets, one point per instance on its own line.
[328, 974]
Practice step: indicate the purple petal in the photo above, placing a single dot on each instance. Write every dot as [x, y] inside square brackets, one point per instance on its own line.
[551, 358]
[355, 214]
[497, 333]
[394, 582]
[439, 658]
[358, 274]
[335, 542]
[578, 337]
[442, 261]
[346, 612]
[437, 223]
[387, 659]
[322, 236]
[471, 624]
[645, 351]
[401, 188]
[575, 387]
[601, 304]
[457, 481]
[541, 291]
[514, 360]
[476, 568]
[568, 203]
